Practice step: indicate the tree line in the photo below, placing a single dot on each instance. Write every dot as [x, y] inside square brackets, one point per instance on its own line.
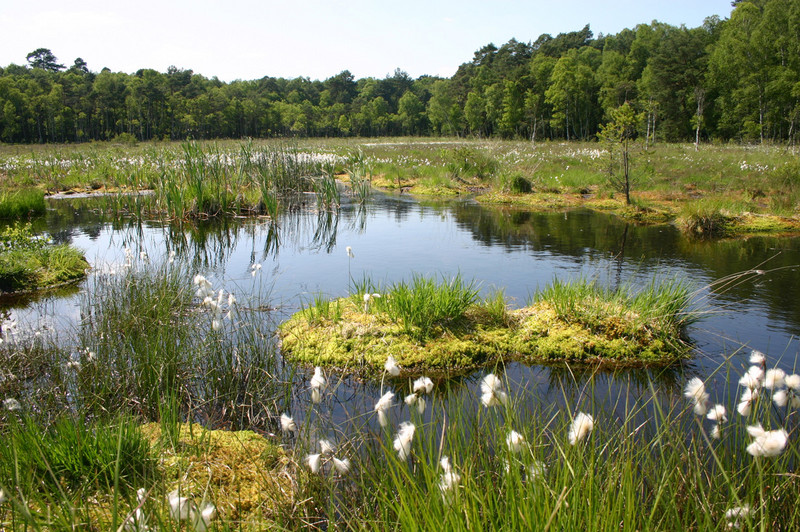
[733, 79]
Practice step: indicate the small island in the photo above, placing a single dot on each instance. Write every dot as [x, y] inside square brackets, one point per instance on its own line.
[445, 326]
[29, 262]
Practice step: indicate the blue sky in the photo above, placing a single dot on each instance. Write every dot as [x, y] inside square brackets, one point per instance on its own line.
[249, 39]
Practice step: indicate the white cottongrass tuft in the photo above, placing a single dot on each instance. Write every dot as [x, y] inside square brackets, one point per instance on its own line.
[781, 398]
[326, 447]
[254, 269]
[368, 299]
[515, 441]
[792, 382]
[414, 399]
[383, 404]
[450, 478]
[716, 432]
[581, 427]
[204, 288]
[696, 391]
[314, 462]
[717, 413]
[10, 403]
[753, 378]
[136, 522]
[767, 442]
[734, 515]
[492, 393]
[318, 383]
[391, 366]
[745, 406]
[201, 518]
[341, 466]
[287, 423]
[423, 385]
[350, 252]
[757, 357]
[3, 496]
[402, 442]
[178, 506]
[774, 378]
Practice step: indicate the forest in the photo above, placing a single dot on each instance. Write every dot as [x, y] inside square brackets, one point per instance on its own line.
[736, 79]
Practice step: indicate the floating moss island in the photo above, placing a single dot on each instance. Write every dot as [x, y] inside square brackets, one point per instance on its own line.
[446, 326]
[29, 263]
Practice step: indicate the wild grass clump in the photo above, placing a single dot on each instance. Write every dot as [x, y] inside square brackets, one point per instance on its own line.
[23, 203]
[482, 458]
[424, 304]
[660, 310]
[73, 452]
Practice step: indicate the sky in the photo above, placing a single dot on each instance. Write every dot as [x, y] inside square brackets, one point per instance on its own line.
[250, 39]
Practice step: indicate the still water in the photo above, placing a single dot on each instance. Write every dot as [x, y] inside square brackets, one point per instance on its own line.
[502, 248]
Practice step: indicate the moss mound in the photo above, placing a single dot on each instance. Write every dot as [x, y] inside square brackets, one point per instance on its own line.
[360, 341]
[245, 475]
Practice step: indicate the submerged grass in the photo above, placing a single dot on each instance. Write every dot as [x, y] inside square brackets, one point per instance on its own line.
[430, 325]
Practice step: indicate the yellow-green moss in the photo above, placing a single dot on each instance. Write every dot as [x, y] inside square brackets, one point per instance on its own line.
[360, 342]
[248, 477]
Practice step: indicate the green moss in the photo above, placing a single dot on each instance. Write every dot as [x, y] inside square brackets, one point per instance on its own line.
[361, 342]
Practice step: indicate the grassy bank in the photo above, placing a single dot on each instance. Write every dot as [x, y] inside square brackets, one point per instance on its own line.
[29, 263]
[427, 325]
[751, 189]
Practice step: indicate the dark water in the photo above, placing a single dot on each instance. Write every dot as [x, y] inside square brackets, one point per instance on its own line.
[506, 248]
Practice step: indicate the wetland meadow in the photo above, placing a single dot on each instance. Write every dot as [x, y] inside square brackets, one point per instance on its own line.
[405, 333]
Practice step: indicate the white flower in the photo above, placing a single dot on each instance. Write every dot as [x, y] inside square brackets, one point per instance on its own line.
[515, 441]
[735, 514]
[171, 258]
[204, 289]
[383, 404]
[757, 357]
[753, 378]
[314, 462]
[318, 383]
[391, 366]
[715, 431]
[341, 466]
[450, 478]
[326, 447]
[767, 442]
[178, 506]
[781, 398]
[749, 395]
[717, 413]
[201, 519]
[287, 423]
[793, 382]
[216, 324]
[402, 442]
[254, 269]
[421, 405]
[696, 391]
[581, 427]
[11, 404]
[350, 252]
[774, 378]
[368, 299]
[423, 385]
[491, 391]
[3, 496]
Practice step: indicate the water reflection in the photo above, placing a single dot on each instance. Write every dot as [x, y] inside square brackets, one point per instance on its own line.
[303, 253]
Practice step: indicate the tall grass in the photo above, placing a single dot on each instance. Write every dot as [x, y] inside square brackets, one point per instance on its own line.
[424, 304]
[23, 203]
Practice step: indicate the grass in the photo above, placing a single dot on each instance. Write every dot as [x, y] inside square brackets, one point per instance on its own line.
[198, 180]
[445, 326]
[82, 468]
[23, 203]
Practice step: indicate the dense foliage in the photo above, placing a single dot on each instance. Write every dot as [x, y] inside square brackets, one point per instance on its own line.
[737, 78]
